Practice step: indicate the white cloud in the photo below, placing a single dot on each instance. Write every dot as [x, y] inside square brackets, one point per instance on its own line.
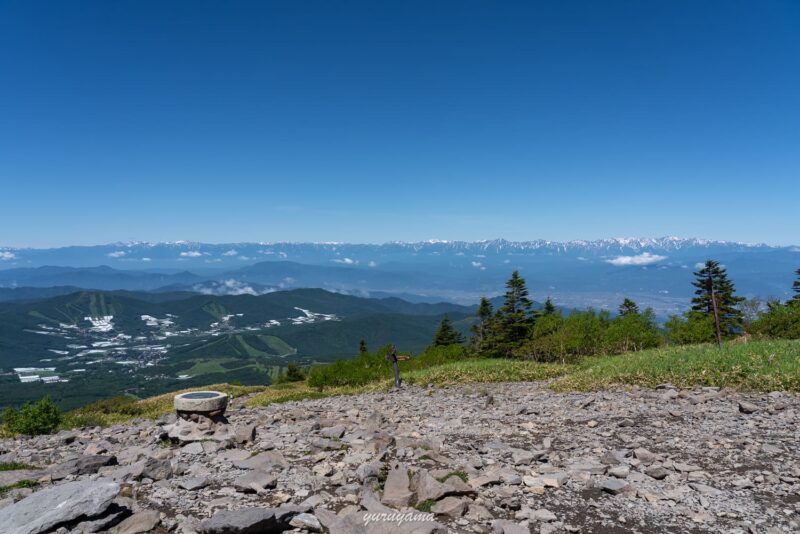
[699, 265]
[644, 258]
[346, 261]
[5, 256]
[117, 254]
[231, 252]
[245, 258]
[229, 287]
[478, 265]
[372, 263]
[147, 259]
[191, 254]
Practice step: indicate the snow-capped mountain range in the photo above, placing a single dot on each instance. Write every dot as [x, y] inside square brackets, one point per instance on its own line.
[657, 271]
[177, 254]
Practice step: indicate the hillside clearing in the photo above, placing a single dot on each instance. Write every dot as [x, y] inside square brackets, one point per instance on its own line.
[760, 366]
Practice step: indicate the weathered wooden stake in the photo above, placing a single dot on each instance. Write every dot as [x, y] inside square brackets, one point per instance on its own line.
[392, 357]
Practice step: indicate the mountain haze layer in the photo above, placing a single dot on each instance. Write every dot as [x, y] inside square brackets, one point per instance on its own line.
[655, 272]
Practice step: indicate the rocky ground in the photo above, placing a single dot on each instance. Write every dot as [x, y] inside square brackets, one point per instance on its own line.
[500, 458]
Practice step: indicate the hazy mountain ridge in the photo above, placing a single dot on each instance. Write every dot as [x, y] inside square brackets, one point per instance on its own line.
[198, 252]
[654, 271]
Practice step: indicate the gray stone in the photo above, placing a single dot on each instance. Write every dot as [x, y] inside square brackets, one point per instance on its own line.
[140, 522]
[428, 488]
[156, 469]
[53, 506]
[544, 516]
[644, 456]
[264, 461]
[113, 515]
[333, 432]
[450, 507]
[306, 521]
[704, 489]
[504, 526]
[363, 523]
[193, 483]
[255, 481]
[619, 471]
[249, 521]
[554, 480]
[194, 447]
[244, 433]
[395, 491]
[747, 407]
[83, 465]
[613, 486]
[658, 473]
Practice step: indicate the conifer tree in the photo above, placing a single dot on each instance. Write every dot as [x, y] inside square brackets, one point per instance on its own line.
[730, 316]
[549, 307]
[446, 335]
[628, 307]
[514, 319]
[796, 288]
[362, 347]
[481, 330]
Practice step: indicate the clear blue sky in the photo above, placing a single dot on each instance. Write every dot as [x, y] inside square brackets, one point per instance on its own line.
[374, 121]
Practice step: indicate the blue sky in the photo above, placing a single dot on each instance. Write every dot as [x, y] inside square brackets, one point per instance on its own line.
[377, 121]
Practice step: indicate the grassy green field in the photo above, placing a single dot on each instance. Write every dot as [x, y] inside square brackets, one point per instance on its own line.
[760, 366]
[754, 366]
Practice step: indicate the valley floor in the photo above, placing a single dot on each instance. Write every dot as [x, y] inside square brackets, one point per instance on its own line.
[503, 458]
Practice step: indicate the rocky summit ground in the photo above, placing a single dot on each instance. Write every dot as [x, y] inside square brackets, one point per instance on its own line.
[500, 458]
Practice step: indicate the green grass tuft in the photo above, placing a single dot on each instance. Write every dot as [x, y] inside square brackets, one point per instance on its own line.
[460, 474]
[18, 485]
[15, 466]
[425, 506]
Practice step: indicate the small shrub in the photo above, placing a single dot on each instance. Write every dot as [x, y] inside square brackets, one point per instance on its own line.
[293, 373]
[41, 417]
[425, 506]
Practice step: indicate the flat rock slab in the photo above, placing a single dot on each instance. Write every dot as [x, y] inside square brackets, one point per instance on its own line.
[83, 465]
[249, 521]
[138, 523]
[395, 523]
[52, 506]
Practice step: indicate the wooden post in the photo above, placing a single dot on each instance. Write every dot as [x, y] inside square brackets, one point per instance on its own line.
[710, 289]
[392, 357]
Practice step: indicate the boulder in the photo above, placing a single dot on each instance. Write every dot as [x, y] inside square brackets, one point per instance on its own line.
[53, 506]
[255, 481]
[249, 521]
[82, 465]
[140, 522]
[450, 507]
[395, 492]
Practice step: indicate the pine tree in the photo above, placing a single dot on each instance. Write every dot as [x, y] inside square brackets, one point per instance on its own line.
[446, 335]
[480, 331]
[628, 307]
[796, 289]
[730, 316]
[362, 347]
[549, 307]
[514, 319]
